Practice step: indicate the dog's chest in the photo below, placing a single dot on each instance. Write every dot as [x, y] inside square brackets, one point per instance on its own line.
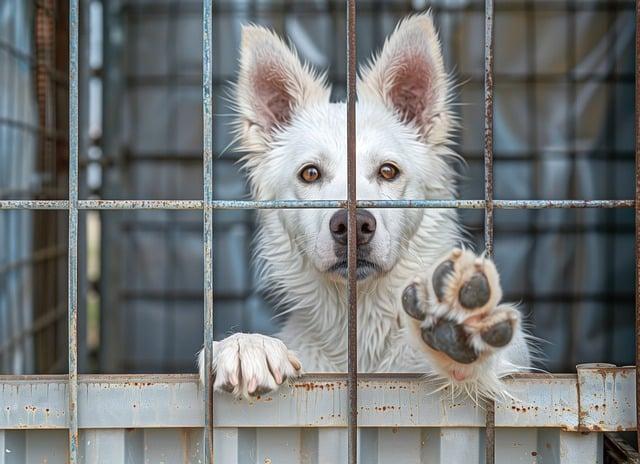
[324, 348]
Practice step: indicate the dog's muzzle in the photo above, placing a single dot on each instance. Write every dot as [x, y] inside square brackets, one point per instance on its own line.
[366, 229]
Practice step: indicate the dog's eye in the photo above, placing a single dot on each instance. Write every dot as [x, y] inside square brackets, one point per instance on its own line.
[310, 173]
[388, 171]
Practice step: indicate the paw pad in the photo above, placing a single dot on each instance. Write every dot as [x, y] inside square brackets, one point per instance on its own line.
[476, 292]
[451, 339]
[411, 303]
[498, 335]
[440, 275]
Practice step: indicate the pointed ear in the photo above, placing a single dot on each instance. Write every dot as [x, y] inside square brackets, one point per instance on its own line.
[408, 77]
[272, 86]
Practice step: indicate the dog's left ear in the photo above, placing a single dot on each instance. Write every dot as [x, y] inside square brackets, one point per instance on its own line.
[408, 76]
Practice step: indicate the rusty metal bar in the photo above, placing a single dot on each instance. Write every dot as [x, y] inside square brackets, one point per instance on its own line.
[490, 431]
[73, 230]
[207, 112]
[352, 244]
[311, 204]
[34, 204]
[637, 218]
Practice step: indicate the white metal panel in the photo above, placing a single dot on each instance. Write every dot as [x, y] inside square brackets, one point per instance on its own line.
[159, 419]
[517, 446]
[607, 402]
[560, 447]
[103, 446]
[225, 444]
[399, 445]
[451, 445]
[175, 401]
[278, 446]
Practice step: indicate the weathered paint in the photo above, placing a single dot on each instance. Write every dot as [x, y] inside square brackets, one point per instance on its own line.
[606, 402]
[566, 402]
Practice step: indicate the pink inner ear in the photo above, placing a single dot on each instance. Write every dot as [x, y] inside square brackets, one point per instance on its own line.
[411, 91]
[272, 96]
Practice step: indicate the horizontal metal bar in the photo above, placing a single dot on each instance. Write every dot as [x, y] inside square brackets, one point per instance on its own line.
[562, 204]
[313, 204]
[603, 401]
[141, 204]
[34, 204]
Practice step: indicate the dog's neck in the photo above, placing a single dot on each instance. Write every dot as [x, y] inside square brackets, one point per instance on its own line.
[316, 307]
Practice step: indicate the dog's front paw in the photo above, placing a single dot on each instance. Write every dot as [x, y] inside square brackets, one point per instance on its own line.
[455, 311]
[250, 364]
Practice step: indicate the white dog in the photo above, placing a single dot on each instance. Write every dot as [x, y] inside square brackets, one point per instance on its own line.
[423, 305]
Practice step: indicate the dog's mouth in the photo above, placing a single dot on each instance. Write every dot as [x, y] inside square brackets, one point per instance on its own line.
[364, 269]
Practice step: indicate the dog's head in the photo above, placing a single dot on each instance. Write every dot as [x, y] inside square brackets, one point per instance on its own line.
[296, 141]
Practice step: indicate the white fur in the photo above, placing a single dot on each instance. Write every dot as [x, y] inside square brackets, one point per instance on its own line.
[295, 247]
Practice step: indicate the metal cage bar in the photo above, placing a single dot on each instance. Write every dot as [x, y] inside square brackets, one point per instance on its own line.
[73, 230]
[207, 131]
[352, 248]
[489, 35]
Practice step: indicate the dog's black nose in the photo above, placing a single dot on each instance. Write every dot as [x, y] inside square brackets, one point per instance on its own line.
[365, 223]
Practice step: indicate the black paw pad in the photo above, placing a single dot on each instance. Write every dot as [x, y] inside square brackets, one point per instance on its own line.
[440, 275]
[476, 292]
[411, 304]
[451, 339]
[499, 335]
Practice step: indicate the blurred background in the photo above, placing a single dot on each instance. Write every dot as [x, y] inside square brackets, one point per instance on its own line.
[564, 129]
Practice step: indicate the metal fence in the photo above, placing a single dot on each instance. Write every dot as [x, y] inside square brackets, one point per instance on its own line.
[564, 130]
[599, 398]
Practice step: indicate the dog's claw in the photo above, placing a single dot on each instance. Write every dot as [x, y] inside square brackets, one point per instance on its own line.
[451, 339]
[499, 335]
[440, 275]
[411, 303]
[476, 292]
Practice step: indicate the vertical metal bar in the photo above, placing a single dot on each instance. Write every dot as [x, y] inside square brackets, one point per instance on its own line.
[207, 112]
[352, 237]
[490, 433]
[637, 231]
[488, 126]
[73, 231]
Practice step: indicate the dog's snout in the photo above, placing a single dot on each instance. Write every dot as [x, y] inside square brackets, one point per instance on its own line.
[365, 226]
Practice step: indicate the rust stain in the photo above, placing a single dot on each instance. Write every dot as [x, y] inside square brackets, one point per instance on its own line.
[311, 386]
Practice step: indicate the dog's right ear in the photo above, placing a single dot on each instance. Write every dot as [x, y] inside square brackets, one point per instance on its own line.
[273, 85]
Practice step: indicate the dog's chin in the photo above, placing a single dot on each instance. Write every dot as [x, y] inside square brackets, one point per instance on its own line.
[365, 269]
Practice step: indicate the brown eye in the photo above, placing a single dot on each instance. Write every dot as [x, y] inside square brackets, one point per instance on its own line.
[310, 174]
[388, 171]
